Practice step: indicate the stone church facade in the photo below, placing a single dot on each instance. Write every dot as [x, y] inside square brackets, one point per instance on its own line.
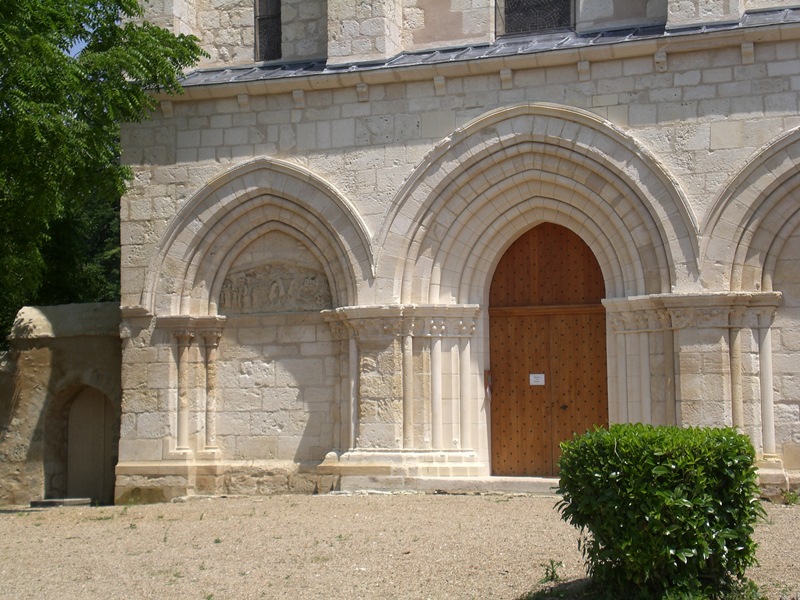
[424, 241]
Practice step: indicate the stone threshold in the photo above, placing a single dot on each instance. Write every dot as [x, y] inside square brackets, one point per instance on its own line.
[52, 502]
[450, 485]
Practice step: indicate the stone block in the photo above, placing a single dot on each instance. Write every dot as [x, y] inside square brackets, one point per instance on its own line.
[233, 423]
[256, 447]
[139, 450]
[152, 425]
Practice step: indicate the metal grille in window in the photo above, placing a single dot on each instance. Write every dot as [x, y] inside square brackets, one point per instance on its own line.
[269, 29]
[529, 16]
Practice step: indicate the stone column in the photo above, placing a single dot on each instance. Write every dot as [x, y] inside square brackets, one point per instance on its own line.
[343, 421]
[668, 337]
[211, 342]
[184, 329]
[449, 327]
[618, 409]
[466, 328]
[408, 387]
[736, 318]
[631, 323]
[765, 317]
[436, 329]
[643, 338]
[184, 341]
[353, 370]
[378, 372]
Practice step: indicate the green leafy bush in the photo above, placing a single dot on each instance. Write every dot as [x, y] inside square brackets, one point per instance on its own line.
[666, 512]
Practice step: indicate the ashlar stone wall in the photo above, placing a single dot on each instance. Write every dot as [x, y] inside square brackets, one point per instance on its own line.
[349, 31]
[404, 187]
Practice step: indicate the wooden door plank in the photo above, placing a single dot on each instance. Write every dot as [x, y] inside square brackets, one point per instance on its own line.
[544, 314]
[580, 398]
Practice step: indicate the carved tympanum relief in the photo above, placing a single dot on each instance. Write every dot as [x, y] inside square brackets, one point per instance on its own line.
[276, 273]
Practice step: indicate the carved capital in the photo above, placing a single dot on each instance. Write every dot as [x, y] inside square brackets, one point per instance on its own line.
[186, 327]
[738, 316]
[765, 315]
[384, 322]
[452, 321]
[210, 337]
[681, 317]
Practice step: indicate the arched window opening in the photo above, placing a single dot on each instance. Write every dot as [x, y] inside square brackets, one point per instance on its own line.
[534, 16]
[268, 27]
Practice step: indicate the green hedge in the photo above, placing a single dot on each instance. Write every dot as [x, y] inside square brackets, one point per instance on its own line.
[669, 512]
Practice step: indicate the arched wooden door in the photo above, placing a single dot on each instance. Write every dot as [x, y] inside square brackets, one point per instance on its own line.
[548, 349]
[90, 448]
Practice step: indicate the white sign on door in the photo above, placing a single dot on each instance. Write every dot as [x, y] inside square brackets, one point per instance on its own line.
[537, 378]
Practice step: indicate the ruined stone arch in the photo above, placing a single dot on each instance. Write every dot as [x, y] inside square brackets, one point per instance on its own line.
[236, 208]
[516, 167]
[752, 218]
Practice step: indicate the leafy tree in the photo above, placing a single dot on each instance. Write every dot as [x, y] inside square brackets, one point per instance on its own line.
[60, 111]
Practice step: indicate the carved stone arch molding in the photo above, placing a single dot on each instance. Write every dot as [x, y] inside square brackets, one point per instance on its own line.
[220, 220]
[516, 167]
[753, 226]
[752, 219]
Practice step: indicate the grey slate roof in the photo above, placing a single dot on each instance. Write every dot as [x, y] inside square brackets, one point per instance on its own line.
[506, 46]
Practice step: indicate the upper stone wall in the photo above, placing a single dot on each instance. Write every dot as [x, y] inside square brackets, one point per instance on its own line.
[346, 31]
[304, 29]
[432, 23]
[691, 13]
[228, 34]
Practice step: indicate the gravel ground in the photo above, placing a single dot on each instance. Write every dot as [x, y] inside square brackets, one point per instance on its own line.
[336, 546]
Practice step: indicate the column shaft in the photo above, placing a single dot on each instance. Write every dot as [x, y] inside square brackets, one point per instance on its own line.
[408, 391]
[436, 393]
[767, 398]
[465, 371]
[184, 343]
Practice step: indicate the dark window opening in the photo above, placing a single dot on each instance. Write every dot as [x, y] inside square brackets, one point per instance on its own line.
[531, 16]
[268, 25]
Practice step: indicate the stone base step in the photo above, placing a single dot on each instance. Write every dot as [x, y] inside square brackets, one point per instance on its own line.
[450, 485]
[51, 502]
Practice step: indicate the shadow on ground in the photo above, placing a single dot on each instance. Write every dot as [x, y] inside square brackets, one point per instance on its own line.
[580, 588]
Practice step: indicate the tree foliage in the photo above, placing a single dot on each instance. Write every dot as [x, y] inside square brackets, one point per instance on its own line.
[60, 112]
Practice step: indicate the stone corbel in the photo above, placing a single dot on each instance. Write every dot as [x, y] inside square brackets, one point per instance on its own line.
[506, 79]
[133, 319]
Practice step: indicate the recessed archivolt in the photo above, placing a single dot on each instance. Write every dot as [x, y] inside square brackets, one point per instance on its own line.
[753, 217]
[231, 211]
[514, 168]
[515, 204]
[320, 249]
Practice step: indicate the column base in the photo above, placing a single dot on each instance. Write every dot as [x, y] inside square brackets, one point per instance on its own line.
[405, 463]
[163, 481]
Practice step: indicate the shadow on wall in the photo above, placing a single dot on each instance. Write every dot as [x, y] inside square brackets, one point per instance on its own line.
[280, 399]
